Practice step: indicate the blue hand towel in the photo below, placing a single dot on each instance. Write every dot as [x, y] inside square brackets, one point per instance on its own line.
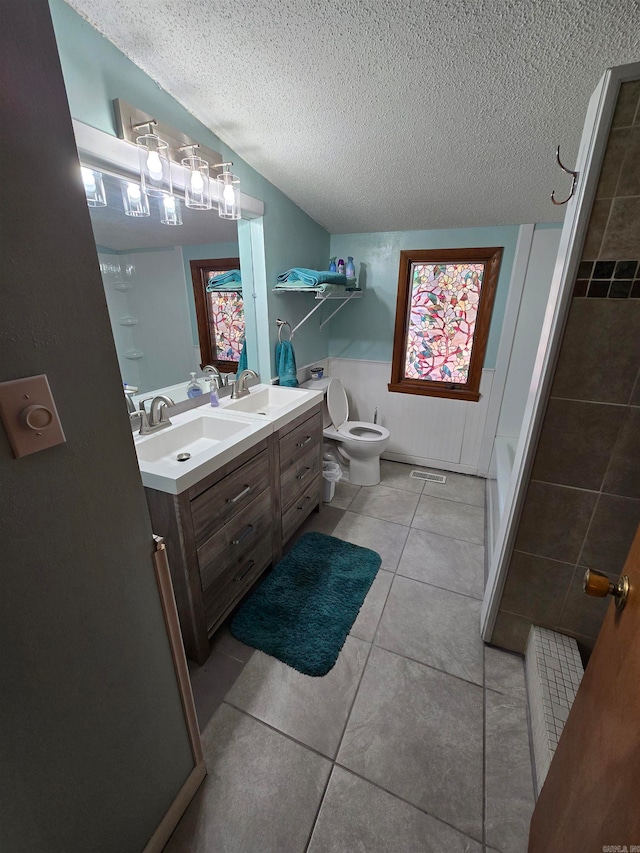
[242, 363]
[312, 278]
[286, 364]
[230, 281]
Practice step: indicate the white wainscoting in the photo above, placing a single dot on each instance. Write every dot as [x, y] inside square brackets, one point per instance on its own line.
[430, 431]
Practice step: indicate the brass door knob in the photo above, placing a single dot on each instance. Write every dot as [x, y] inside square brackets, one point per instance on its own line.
[599, 585]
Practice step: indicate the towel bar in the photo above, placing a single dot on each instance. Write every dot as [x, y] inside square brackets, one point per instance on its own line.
[280, 324]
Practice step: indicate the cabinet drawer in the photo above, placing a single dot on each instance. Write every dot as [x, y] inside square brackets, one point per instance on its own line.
[222, 552]
[299, 441]
[229, 587]
[300, 509]
[297, 477]
[220, 503]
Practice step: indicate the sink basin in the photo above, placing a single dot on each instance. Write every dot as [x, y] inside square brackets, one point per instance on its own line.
[199, 435]
[274, 403]
[208, 439]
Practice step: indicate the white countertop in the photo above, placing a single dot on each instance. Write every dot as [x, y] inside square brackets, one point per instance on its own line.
[215, 436]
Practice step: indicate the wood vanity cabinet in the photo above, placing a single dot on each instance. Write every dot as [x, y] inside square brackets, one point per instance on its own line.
[222, 533]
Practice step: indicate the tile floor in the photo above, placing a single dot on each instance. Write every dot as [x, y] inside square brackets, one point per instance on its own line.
[416, 742]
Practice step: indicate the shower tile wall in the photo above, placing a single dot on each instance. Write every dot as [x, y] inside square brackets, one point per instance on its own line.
[582, 506]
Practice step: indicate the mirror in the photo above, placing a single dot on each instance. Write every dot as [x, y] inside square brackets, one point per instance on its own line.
[151, 287]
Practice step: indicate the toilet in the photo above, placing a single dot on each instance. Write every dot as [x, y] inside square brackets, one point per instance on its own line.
[359, 443]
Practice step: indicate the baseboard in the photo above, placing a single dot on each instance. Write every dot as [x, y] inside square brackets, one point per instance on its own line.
[424, 462]
[159, 839]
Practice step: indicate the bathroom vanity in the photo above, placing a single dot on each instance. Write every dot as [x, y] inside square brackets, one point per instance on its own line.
[224, 528]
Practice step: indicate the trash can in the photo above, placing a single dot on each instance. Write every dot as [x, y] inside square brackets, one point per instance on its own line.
[331, 473]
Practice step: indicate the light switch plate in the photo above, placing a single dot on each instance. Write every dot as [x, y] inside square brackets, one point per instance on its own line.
[29, 415]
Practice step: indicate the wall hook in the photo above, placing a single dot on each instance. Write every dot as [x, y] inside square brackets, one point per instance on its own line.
[574, 176]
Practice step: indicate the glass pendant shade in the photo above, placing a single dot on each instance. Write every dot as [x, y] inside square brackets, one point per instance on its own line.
[155, 166]
[229, 200]
[197, 189]
[134, 199]
[171, 213]
[93, 187]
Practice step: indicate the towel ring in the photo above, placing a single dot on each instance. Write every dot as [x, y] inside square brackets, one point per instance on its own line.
[280, 324]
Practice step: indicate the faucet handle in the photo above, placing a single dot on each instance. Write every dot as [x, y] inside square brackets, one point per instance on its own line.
[142, 402]
[144, 420]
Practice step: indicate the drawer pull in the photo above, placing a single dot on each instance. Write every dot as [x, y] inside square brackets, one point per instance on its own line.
[306, 471]
[244, 492]
[306, 441]
[308, 498]
[246, 532]
[246, 571]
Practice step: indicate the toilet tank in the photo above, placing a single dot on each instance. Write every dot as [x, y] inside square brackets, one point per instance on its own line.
[320, 385]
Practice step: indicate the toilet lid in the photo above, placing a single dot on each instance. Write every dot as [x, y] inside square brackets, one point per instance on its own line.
[337, 403]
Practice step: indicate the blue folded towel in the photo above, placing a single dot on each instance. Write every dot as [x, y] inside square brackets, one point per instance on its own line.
[286, 364]
[312, 278]
[225, 281]
[242, 363]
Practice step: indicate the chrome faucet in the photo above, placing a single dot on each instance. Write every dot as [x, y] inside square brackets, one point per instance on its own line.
[215, 374]
[157, 417]
[240, 385]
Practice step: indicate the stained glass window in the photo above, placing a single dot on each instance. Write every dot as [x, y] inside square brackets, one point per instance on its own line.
[226, 319]
[219, 314]
[442, 320]
[443, 313]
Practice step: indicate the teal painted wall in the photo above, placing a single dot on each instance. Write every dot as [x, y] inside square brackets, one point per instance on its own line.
[96, 72]
[364, 329]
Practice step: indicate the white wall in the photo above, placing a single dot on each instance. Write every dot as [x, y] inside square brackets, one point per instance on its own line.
[430, 431]
[535, 295]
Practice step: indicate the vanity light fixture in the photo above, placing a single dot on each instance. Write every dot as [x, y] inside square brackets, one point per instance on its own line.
[170, 210]
[229, 187]
[93, 187]
[197, 187]
[134, 199]
[155, 163]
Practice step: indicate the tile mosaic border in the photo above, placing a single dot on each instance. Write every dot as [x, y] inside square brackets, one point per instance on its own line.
[608, 279]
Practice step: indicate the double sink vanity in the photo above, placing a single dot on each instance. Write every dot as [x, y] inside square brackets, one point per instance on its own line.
[251, 472]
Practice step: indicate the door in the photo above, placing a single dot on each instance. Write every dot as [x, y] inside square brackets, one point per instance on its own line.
[590, 800]
[94, 746]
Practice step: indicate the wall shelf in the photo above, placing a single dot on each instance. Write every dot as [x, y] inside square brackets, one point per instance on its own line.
[320, 298]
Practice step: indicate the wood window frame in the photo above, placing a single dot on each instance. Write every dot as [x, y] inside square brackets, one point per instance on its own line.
[199, 270]
[491, 257]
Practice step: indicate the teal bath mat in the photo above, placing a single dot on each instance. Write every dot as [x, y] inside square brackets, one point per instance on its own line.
[302, 612]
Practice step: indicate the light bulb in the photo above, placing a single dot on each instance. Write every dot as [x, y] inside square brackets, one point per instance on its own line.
[88, 179]
[197, 182]
[228, 194]
[169, 205]
[154, 165]
[133, 191]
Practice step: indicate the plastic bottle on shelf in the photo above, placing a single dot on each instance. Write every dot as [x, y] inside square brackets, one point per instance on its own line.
[194, 389]
[350, 268]
[341, 267]
[332, 265]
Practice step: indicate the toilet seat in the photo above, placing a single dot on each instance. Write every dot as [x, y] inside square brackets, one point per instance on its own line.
[337, 403]
[358, 442]
[357, 431]
[343, 428]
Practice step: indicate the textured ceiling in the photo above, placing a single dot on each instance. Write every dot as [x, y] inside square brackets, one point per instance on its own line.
[114, 230]
[387, 114]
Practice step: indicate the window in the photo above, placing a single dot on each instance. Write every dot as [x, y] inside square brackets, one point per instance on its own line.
[220, 315]
[443, 312]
